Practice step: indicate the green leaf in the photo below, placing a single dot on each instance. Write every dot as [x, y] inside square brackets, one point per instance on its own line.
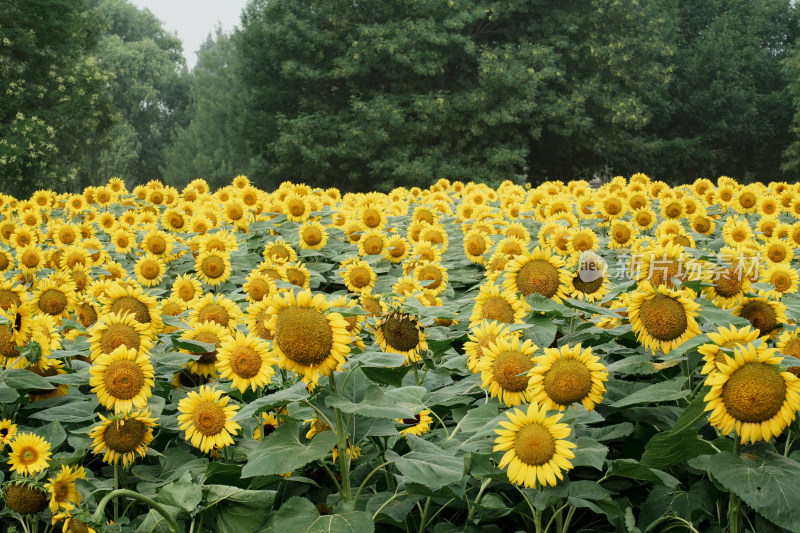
[238, 510]
[386, 376]
[659, 392]
[404, 402]
[299, 515]
[182, 494]
[378, 359]
[397, 509]
[765, 481]
[80, 411]
[193, 346]
[541, 330]
[19, 378]
[635, 470]
[682, 442]
[53, 433]
[591, 495]
[282, 452]
[428, 464]
[589, 453]
[295, 393]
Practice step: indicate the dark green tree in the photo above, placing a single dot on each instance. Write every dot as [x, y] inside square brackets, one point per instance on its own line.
[213, 145]
[383, 93]
[53, 98]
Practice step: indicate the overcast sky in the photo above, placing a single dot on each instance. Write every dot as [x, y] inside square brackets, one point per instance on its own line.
[193, 20]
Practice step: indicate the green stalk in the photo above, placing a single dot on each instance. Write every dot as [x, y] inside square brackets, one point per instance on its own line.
[734, 503]
[423, 519]
[120, 493]
[478, 499]
[364, 483]
[116, 488]
[341, 444]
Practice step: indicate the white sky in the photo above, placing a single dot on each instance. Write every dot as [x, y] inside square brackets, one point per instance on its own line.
[193, 20]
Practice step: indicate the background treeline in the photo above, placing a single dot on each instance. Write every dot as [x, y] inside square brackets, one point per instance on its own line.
[379, 93]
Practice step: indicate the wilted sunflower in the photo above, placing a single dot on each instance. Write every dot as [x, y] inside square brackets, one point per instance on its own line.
[724, 338]
[662, 318]
[752, 395]
[246, 360]
[63, 492]
[481, 336]
[539, 271]
[207, 419]
[122, 379]
[401, 333]
[25, 496]
[417, 425]
[216, 308]
[307, 339]
[564, 376]
[123, 436]
[29, 455]
[766, 315]
[535, 446]
[506, 370]
[499, 304]
[358, 276]
[115, 330]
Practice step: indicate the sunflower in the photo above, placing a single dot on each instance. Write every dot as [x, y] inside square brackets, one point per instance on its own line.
[358, 276]
[115, 330]
[258, 286]
[308, 340]
[296, 273]
[122, 379]
[777, 251]
[736, 231]
[539, 271]
[476, 244]
[25, 496]
[63, 493]
[207, 419]
[727, 285]
[16, 332]
[765, 314]
[662, 318]
[723, 338]
[123, 240]
[784, 278]
[54, 298]
[216, 308]
[123, 436]
[431, 276]
[584, 286]
[564, 376]
[417, 425]
[582, 240]
[29, 455]
[372, 242]
[788, 344]
[662, 263]
[643, 218]
[496, 303]
[621, 234]
[246, 360]
[297, 208]
[280, 251]
[8, 430]
[401, 333]
[269, 423]
[312, 235]
[7, 261]
[397, 248]
[22, 237]
[210, 333]
[122, 298]
[213, 267]
[149, 270]
[751, 395]
[535, 448]
[507, 370]
[480, 336]
[406, 286]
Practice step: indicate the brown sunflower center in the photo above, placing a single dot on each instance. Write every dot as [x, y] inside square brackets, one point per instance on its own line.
[213, 266]
[25, 499]
[747, 200]
[124, 436]
[7, 344]
[123, 379]
[621, 234]
[296, 207]
[761, 315]
[372, 306]
[373, 245]
[534, 444]
[150, 270]
[129, 304]
[371, 218]
[538, 276]
[186, 291]
[754, 392]
[360, 277]
[86, 314]
[613, 206]
[782, 281]
[312, 236]
[497, 308]
[30, 259]
[208, 358]
[208, 418]
[663, 317]
[53, 302]
[9, 298]
[303, 335]
[792, 347]
[214, 312]
[662, 270]
[776, 253]
[701, 224]
[567, 381]
[245, 362]
[430, 277]
[157, 245]
[295, 276]
[511, 371]
[235, 212]
[257, 289]
[401, 332]
[28, 456]
[729, 284]
[673, 210]
[587, 287]
[119, 335]
[475, 245]
[644, 219]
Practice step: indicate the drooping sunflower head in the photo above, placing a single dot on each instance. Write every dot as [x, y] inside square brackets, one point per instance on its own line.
[568, 375]
[123, 437]
[662, 318]
[402, 333]
[25, 497]
[506, 370]
[766, 315]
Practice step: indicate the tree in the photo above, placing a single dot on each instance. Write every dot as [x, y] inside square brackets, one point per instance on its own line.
[53, 93]
[213, 145]
[385, 93]
[149, 89]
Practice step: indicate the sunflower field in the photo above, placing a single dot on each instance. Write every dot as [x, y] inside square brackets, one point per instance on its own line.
[460, 358]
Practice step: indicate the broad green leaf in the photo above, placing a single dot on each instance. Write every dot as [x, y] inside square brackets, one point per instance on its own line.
[635, 470]
[387, 376]
[397, 509]
[19, 378]
[659, 392]
[591, 495]
[53, 433]
[80, 411]
[428, 464]
[282, 452]
[589, 453]
[404, 402]
[542, 330]
[238, 510]
[294, 393]
[193, 345]
[299, 515]
[682, 442]
[765, 481]
[182, 494]
[378, 359]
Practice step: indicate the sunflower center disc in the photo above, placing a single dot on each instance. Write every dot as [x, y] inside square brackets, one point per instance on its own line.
[245, 362]
[157, 245]
[567, 381]
[214, 313]
[28, 456]
[295, 276]
[760, 315]
[150, 270]
[123, 436]
[483, 344]
[119, 335]
[53, 302]
[8, 298]
[371, 218]
[621, 234]
[129, 304]
[538, 276]
[209, 418]
[511, 371]
[211, 357]
[401, 333]
[587, 287]
[663, 270]
[754, 392]
[792, 348]
[29, 259]
[776, 253]
[213, 267]
[430, 277]
[186, 292]
[781, 282]
[663, 317]
[312, 236]
[297, 207]
[476, 245]
[701, 225]
[373, 245]
[534, 444]
[25, 499]
[360, 277]
[123, 379]
[7, 344]
[303, 335]
[729, 284]
[496, 308]
[747, 199]
[258, 288]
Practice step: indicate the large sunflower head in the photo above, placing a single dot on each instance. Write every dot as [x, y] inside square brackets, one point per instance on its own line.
[662, 318]
[765, 314]
[568, 375]
[216, 308]
[54, 298]
[535, 446]
[207, 419]
[213, 267]
[499, 304]
[29, 455]
[507, 370]
[539, 271]
[126, 299]
[115, 330]
[122, 379]
[750, 394]
[308, 340]
[25, 496]
[246, 360]
[402, 333]
[123, 437]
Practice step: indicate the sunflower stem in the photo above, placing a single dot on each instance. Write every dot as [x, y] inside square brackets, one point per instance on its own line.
[119, 493]
[364, 483]
[788, 446]
[416, 375]
[568, 519]
[341, 438]
[116, 488]
[474, 506]
[423, 519]
[735, 503]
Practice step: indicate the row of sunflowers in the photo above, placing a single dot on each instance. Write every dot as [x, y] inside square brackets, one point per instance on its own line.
[458, 358]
